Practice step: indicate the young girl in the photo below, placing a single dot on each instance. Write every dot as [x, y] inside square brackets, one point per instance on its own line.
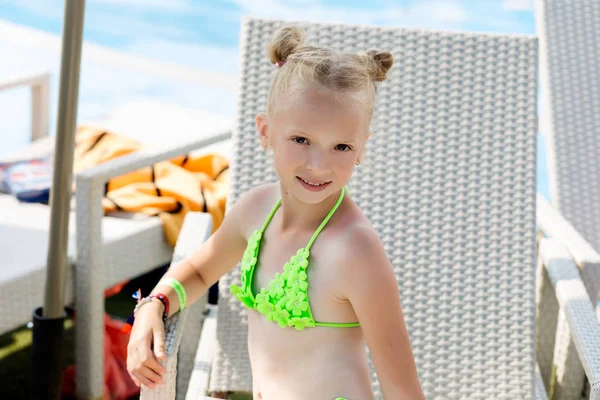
[315, 276]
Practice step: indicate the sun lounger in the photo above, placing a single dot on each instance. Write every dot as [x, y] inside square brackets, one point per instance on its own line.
[450, 188]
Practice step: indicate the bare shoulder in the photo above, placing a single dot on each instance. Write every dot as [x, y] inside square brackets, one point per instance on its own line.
[362, 249]
[359, 257]
[353, 249]
[356, 237]
[253, 205]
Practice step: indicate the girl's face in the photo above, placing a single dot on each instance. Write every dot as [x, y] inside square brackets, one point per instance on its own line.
[316, 142]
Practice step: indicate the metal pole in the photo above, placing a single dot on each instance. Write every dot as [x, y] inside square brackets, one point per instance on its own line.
[48, 321]
[60, 201]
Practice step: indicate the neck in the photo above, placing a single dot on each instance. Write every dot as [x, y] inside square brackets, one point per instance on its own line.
[299, 216]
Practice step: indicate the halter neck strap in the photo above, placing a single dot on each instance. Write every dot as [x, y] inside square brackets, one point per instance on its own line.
[329, 215]
[323, 223]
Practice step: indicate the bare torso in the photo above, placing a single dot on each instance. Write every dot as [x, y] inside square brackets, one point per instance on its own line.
[319, 362]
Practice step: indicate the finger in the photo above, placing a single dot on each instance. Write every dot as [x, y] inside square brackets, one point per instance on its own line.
[134, 379]
[152, 376]
[132, 365]
[159, 345]
[147, 358]
[136, 369]
[147, 382]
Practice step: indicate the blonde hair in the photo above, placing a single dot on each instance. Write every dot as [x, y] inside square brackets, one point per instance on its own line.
[347, 75]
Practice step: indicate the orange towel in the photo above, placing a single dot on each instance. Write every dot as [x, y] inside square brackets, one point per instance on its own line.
[168, 189]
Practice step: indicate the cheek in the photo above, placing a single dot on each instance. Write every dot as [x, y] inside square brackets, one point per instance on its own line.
[288, 155]
[341, 164]
[346, 164]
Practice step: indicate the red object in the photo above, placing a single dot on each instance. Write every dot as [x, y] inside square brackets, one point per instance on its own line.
[117, 382]
[111, 291]
[127, 328]
[163, 299]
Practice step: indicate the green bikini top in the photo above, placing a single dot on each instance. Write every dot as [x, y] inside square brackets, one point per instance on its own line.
[286, 299]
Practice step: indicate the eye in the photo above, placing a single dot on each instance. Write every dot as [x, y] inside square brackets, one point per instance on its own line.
[300, 140]
[343, 147]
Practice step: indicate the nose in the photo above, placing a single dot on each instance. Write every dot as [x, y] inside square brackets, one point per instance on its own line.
[317, 163]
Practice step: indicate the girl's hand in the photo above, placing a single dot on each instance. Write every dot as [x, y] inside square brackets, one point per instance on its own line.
[148, 329]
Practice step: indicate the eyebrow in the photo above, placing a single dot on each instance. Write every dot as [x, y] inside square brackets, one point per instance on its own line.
[299, 132]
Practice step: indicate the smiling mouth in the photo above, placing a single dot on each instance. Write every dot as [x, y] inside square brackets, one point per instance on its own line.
[313, 183]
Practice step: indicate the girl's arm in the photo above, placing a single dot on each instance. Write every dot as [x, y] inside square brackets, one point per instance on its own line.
[213, 259]
[369, 283]
[197, 273]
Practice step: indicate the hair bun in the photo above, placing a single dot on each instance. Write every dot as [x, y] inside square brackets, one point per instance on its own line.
[379, 64]
[285, 41]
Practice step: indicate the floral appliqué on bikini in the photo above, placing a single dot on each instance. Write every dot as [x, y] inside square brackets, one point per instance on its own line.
[285, 301]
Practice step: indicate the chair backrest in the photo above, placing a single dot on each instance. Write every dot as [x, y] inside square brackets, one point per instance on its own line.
[449, 186]
[569, 33]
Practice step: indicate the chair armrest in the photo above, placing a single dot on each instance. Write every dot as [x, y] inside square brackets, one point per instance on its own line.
[198, 385]
[575, 302]
[102, 173]
[205, 354]
[40, 99]
[173, 334]
[196, 228]
[554, 225]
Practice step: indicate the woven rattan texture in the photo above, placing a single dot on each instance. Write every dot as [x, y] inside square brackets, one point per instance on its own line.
[570, 53]
[449, 185]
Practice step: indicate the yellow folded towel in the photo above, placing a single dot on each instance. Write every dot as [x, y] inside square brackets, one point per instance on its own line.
[168, 189]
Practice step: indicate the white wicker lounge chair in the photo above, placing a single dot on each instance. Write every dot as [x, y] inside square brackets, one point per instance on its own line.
[568, 333]
[569, 35]
[450, 188]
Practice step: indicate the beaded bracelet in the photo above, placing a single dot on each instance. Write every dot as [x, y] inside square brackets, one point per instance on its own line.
[163, 299]
[148, 300]
[140, 302]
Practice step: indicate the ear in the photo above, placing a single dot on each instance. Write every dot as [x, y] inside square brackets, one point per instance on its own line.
[262, 126]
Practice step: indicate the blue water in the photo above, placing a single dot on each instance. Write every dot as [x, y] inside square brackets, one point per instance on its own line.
[202, 35]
